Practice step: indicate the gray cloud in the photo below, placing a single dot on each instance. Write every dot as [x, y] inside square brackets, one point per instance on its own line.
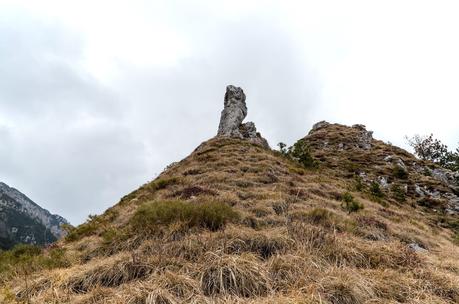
[76, 146]
[76, 140]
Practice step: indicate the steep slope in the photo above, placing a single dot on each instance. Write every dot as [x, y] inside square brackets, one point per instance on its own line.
[339, 218]
[23, 221]
[293, 241]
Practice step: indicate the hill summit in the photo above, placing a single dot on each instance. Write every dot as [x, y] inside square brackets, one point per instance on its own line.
[339, 217]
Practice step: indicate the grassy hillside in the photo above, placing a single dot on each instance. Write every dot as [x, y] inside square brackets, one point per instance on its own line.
[237, 223]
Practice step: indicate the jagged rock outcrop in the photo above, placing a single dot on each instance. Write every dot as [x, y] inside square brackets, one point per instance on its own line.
[23, 221]
[319, 125]
[233, 114]
[357, 136]
[365, 138]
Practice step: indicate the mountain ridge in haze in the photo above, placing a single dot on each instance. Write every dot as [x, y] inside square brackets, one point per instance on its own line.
[24, 221]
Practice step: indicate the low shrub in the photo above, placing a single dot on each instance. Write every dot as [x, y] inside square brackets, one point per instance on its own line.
[25, 259]
[375, 190]
[399, 172]
[358, 183]
[92, 224]
[397, 193]
[350, 204]
[162, 183]
[209, 215]
[300, 152]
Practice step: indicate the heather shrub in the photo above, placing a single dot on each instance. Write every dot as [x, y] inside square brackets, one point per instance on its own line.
[350, 204]
[399, 172]
[397, 193]
[375, 190]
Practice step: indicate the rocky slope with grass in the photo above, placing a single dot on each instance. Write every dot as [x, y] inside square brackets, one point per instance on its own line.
[23, 221]
[337, 218]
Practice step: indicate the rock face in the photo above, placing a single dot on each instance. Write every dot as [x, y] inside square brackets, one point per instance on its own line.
[233, 114]
[356, 137]
[23, 221]
[366, 137]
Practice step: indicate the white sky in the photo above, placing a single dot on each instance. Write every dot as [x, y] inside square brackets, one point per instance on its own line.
[98, 96]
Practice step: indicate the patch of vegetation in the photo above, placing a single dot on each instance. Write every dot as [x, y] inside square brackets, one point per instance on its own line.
[299, 152]
[426, 172]
[399, 172]
[162, 183]
[350, 204]
[24, 259]
[358, 183]
[92, 224]
[432, 149]
[208, 215]
[375, 190]
[398, 194]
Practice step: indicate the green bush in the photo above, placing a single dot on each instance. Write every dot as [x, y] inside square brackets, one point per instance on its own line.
[299, 152]
[399, 172]
[209, 215]
[347, 197]
[25, 259]
[375, 190]
[162, 183]
[397, 193]
[350, 204]
[358, 183]
[88, 228]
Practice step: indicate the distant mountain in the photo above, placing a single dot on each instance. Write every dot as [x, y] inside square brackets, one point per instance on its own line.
[23, 221]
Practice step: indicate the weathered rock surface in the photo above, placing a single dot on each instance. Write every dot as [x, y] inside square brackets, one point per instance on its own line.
[233, 114]
[319, 125]
[357, 136]
[366, 137]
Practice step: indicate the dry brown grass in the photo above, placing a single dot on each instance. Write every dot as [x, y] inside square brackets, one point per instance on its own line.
[235, 275]
[293, 243]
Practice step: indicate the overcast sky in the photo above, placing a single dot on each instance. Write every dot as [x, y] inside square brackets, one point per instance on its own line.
[97, 97]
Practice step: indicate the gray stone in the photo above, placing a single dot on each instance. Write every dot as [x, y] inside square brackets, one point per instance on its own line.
[232, 116]
[319, 125]
[418, 190]
[249, 132]
[233, 113]
[416, 247]
[396, 160]
[382, 180]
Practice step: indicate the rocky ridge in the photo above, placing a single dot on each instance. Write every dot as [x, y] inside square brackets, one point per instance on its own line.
[353, 151]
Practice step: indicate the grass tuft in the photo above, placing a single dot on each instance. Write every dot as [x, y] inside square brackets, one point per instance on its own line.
[234, 275]
[209, 215]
